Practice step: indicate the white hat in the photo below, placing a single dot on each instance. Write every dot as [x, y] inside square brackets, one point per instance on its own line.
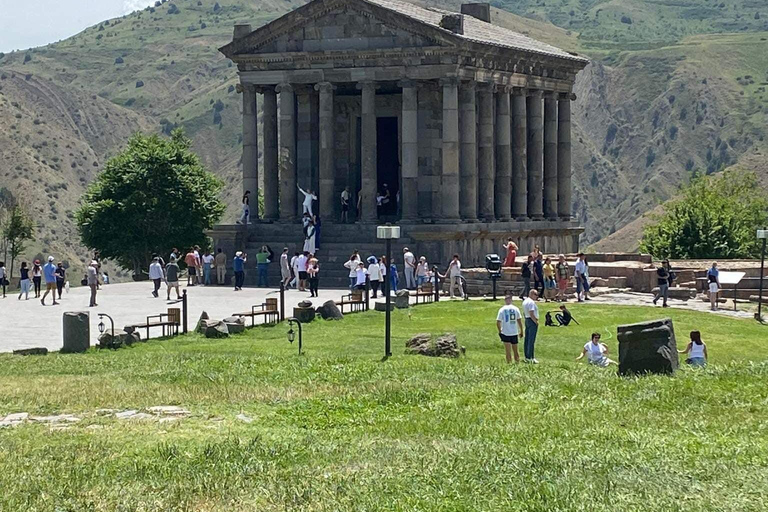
[239, 253]
[50, 258]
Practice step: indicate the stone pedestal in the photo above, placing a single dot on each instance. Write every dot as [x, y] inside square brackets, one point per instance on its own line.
[77, 332]
[647, 347]
[304, 315]
[402, 299]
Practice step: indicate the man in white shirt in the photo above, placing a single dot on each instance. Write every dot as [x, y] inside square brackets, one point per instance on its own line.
[454, 274]
[301, 263]
[509, 322]
[409, 263]
[156, 274]
[295, 266]
[531, 314]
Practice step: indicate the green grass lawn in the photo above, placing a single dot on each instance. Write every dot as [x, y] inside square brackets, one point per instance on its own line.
[340, 429]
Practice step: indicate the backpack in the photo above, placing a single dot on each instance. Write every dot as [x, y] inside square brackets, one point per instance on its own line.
[548, 320]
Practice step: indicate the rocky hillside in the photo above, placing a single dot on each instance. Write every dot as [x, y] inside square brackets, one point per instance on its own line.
[675, 85]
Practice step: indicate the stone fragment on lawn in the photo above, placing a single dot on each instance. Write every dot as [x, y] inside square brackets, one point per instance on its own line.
[133, 415]
[445, 345]
[121, 338]
[58, 418]
[402, 299]
[304, 315]
[330, 311]
[214, 329]
[125, 414]
[14, 419]
[35, 351]
[244, 418]
[168, 410]
[235, 324]
[647, 347]
[199, 326]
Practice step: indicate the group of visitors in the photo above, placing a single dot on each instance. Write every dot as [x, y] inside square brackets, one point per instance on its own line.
[550, 280]
[54, 275]
[301, 272]
[509, 322]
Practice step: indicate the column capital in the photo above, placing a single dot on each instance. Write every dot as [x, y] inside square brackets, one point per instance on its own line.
[550, 95]
[448, 80]
[484, 86]
[284, 87]
[567, 96]
[407, 83]
[369, 85]
[534, 93]
[468, 85]
[519, 91]
[502, 88]
[325, 87]
[239, 88]
[263, 89]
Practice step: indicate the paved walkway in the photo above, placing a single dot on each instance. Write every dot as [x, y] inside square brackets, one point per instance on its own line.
[26, 323]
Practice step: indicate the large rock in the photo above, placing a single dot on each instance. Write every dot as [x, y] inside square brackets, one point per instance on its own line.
[122, 338]
[304, 315]
[402, 299]
[330, 311]
[235, 324]
[444, 346]
[647, 347]
[305, 304]
[77, 331]
[214, 329]
[201, 322]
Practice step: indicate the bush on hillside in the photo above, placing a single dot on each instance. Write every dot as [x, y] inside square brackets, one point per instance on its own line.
[715, 217]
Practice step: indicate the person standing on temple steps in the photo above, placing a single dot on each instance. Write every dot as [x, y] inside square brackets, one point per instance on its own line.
[309, 196]
[245, 218]
[345, 205]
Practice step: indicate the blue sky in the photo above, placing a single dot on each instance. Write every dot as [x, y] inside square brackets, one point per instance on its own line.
[28, 23]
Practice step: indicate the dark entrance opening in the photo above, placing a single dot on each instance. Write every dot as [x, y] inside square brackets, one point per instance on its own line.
[387, 166]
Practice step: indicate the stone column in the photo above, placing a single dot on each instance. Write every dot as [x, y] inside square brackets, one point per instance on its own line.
[410, 143]
[326, 165]
[450, 157]
[486, 172]
[535, 154]
[519, 158]
[368, 151]
[550, 156]
[287, 153]
[250, 145]
[503, 190]
[271, 179]
[468, 154]
[564, 156]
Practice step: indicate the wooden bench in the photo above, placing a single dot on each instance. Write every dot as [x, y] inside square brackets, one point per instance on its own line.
[426, 292]
[169, 322]
[268, 310]
[354, 301]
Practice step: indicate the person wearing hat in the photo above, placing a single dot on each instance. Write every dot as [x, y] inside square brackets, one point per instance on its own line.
[93, 281]
[662, 281]
[49, 271]
[374, 274]
[156, 274]
[422, 271]
[238, 265]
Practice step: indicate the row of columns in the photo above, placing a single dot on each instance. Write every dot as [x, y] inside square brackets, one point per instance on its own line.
[511, 158]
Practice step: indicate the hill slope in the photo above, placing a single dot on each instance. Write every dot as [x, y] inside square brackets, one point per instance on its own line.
[659, 100]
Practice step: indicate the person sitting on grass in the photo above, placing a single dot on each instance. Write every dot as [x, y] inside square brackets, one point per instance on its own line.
[596, 352]
[564, 318]
[696, 350]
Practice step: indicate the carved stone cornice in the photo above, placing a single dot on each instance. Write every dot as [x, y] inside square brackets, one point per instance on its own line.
[284, 87]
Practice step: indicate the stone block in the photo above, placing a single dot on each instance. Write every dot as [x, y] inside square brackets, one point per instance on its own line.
[382, 306]
[37, 351]
[647, 347]
[214, 329]
[201, 322]
[445, 345]
[235, 324]
[617, 282]
[121, 338]
[304, 315]
[76, 332]
[330, 311]
[402, 299]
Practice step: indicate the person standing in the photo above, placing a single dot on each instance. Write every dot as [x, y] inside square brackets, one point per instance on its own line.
[3, 277]
[662, 281]
[351, 265]
[422, 272]
[309, 238]
[37, 277]
[563, 272]
[509, 323]
[295, 267]
[394, 278]
[285, 269]
[245, 217]
[302, 262]
[262, 265]
[156, 274]
[191, 260]
[581, 273]
[696, 350]
[525, 273]
[309, 196]
[374, 275]
[454, 275]
[238, 265]
[531, 314]
[549, 279]
[24, 284]
[172, 278]
[174, 254]
[713, 278]
[538, 274]
[221, 266]
[360, 275]
[93, 281]
[61, 276]
[596, 352]
[345, 196]
[208, 262]
[409, 269]
[511, 248]
[49, 271]
[313, 270]
[318, 229]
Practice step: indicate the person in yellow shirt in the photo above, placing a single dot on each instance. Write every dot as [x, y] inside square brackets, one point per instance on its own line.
[550, 286]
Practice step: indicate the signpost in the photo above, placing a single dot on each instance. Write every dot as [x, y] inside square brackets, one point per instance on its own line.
[733, 278]
[388, 233]
[762, 234]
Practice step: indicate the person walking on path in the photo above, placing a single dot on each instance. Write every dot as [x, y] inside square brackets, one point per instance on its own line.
[3, 277]
[295, 268]
[172, 278]
[531, 314]
[24, 284]
[662, 281]
[49, 270]
[345, 196]
[245, 217]
[526, 273]
[37, 277]
[563, 273]
[61, 276]
[581, 273]
[208, 262]
[309, 196]
[509, 323]
[409, 268]
[285, 269]
[351, 265]
[93, 281]
[713, 278]
[374, 275]
[454, 275]
[220, 261]
[262, 265]
[511, 248]
[696, 350]
[156, 274]
[313, 270]
[191, 260]
[596, 352]
[238, 264]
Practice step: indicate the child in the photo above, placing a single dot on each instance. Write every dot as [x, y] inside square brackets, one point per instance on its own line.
[360, 276]
[595, 352]
[696, 350]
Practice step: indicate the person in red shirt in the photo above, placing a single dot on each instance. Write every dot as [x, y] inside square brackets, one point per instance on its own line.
[191, 260]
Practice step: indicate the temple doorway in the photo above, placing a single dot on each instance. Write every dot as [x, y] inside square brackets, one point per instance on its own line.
[387, 167]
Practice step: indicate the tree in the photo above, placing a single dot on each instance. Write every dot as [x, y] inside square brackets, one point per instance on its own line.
[151, 197]
[18, 229]
[715, 217]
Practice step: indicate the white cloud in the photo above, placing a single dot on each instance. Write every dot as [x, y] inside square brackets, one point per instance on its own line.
[134, 5]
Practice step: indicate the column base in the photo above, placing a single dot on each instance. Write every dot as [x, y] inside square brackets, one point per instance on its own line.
[505, 219]
[565, 217]
[470, 221]
[521, 218]
[536, 217]
[488, 219]
[553, 219]
[447, 221]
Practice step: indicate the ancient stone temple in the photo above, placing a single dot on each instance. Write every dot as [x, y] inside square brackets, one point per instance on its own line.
[463, 125]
